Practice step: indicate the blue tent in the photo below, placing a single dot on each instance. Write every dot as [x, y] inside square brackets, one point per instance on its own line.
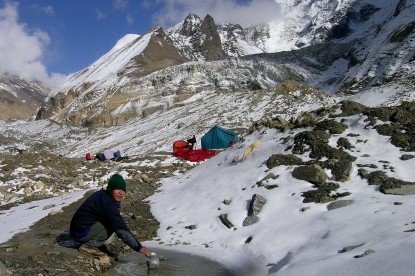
[218, 138]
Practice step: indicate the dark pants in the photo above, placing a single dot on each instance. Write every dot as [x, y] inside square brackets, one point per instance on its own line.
[97, 236]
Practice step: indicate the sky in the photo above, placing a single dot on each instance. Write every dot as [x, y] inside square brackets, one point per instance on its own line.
[47, 39]
[285, 241]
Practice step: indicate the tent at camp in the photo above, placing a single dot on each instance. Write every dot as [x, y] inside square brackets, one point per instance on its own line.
[218, 138]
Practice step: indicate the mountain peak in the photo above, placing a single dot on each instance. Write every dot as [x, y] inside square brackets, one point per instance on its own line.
[190, 25]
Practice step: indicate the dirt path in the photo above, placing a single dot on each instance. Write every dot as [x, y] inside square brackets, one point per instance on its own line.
[36, 252]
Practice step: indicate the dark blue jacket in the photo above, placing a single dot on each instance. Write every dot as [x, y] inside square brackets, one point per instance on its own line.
[101, 207]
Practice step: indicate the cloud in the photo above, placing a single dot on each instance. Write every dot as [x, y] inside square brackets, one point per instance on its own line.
[120, 5]
[246, 13]
[100, 15]
[129, 19]
[22, 49]
[49, 10]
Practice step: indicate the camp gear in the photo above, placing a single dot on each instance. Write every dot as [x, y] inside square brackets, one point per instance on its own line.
[88, 156]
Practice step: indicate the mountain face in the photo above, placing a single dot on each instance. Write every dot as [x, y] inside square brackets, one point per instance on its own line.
[334, 46]
[19, 98]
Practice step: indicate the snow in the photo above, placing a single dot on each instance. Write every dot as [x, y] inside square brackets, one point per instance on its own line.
[291, 237]
[11, 220]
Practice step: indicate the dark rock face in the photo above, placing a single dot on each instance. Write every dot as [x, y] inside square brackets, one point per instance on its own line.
[210, 44]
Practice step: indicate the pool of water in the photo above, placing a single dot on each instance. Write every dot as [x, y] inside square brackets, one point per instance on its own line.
[172, 263]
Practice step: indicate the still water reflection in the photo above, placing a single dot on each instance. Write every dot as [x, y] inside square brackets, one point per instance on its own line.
[172, 263]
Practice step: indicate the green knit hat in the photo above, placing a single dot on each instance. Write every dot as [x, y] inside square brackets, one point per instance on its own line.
[116, 182]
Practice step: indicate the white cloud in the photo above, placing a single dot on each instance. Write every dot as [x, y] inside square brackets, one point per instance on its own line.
[129, 19]
[49, 10]
[22, 49]
[120, 5]
[246, 13]
[100, 15]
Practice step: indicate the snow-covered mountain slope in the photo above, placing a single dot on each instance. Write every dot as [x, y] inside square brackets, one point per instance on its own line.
[343, 46]
[19, 98]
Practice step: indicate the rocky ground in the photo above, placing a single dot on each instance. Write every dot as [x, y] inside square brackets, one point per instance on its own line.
[36, 252]
[37, 173]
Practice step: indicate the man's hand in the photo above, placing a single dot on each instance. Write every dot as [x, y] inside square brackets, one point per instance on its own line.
[145, 251]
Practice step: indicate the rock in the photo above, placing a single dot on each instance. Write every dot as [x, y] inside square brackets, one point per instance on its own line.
[405, 157]
[224, 219]
[265, 181]
[276, 160]
[227, 201]
[39, 185]
[367, 252]
[3, 270]
[311, 173]
[250, 220]
[332, 126]
[339, 204]
[256, 204]
[350, 108]
[350, 248]
[27, 191]
[317, 196]
[344, 143]
[403, 190]
[340, 169]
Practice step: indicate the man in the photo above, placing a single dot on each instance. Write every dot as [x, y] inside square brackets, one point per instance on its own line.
[99, 217]
[191, 142]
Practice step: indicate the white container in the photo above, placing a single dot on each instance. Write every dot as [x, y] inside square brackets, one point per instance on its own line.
[153, 260]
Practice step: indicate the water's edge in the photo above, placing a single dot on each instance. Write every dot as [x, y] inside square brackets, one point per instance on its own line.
[172, 263]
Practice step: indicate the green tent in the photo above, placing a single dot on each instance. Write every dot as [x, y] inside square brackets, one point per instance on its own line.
[218, 138]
